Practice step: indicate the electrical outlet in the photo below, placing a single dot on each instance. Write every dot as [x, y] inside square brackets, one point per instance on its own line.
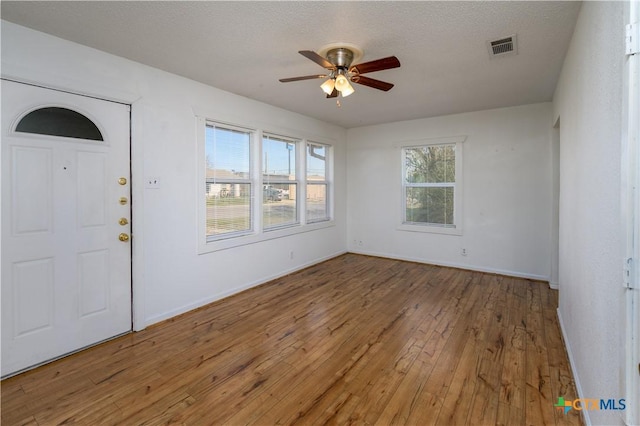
[463, 252]
[152, 183]
[291, 254]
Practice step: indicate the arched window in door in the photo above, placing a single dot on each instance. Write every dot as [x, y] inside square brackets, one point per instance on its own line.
[57, 121]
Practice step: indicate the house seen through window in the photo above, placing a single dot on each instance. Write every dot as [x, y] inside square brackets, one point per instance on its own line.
[228, 181]
[281, 189]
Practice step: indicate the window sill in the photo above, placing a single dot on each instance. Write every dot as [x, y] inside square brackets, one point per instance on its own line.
[430, 229]
[224, 244]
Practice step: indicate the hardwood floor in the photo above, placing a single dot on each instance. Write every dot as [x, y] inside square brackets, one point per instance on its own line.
[356, 339]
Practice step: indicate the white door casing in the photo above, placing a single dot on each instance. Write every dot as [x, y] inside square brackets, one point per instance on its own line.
[66, 276]
[631, 213]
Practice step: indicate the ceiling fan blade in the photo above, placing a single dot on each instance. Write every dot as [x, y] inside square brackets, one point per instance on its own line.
[304, 77]
[333, 94]
[377, 65]
[310, 54]
[371, 82]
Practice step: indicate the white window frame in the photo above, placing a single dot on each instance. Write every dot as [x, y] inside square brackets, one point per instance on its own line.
[328, 177]
[456, 227]
[258, 234]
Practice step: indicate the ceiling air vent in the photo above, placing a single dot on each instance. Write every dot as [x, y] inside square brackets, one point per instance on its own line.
[503, 47]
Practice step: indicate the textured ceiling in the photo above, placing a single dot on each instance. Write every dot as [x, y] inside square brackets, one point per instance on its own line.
[245, 47]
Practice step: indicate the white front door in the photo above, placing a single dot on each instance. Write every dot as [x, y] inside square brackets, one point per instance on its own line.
[66, 274]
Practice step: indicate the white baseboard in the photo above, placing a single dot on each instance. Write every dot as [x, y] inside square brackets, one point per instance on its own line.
[205, 301]
[576, 378]
[455, 265]
[554, 285]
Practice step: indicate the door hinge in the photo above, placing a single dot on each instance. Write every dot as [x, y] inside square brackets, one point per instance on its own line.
[628, 273]
[632, 39]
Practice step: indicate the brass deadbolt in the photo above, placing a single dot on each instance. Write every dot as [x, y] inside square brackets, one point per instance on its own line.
[123, 221]
[122, 181]
[123, 200]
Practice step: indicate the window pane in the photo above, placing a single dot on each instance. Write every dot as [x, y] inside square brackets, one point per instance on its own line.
[227, 154]
[55, 121]
[430, 205]
[229, 208]
[279, 205]
[316, 162]
[430, 164]
[278, 159]
[317, 202]
[228, 163]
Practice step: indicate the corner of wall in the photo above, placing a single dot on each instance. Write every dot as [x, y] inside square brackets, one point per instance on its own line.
[572, 363]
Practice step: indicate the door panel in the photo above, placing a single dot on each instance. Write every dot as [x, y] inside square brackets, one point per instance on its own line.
[33, 296]
[92, 189]
[32, 174]
[66, 277]
[93, 280]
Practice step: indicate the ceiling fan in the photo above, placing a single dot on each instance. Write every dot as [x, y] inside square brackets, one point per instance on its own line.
[341, 73]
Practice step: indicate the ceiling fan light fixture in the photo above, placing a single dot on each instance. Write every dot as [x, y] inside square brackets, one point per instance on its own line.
[338, 60]
[341, 82]
[347, 90]
[327, 86]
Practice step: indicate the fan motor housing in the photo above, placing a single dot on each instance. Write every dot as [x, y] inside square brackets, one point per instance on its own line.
[356, 52]
[341, 57]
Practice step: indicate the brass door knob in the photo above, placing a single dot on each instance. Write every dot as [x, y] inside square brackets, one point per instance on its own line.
[123, 237]
[122, 181]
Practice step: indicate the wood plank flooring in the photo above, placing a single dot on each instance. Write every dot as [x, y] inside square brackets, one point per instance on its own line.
[354, 340]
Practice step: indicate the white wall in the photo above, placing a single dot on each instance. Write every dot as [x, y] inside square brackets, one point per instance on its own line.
[588, 101]
[507, 200]
[169, 275]
[508, 196]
